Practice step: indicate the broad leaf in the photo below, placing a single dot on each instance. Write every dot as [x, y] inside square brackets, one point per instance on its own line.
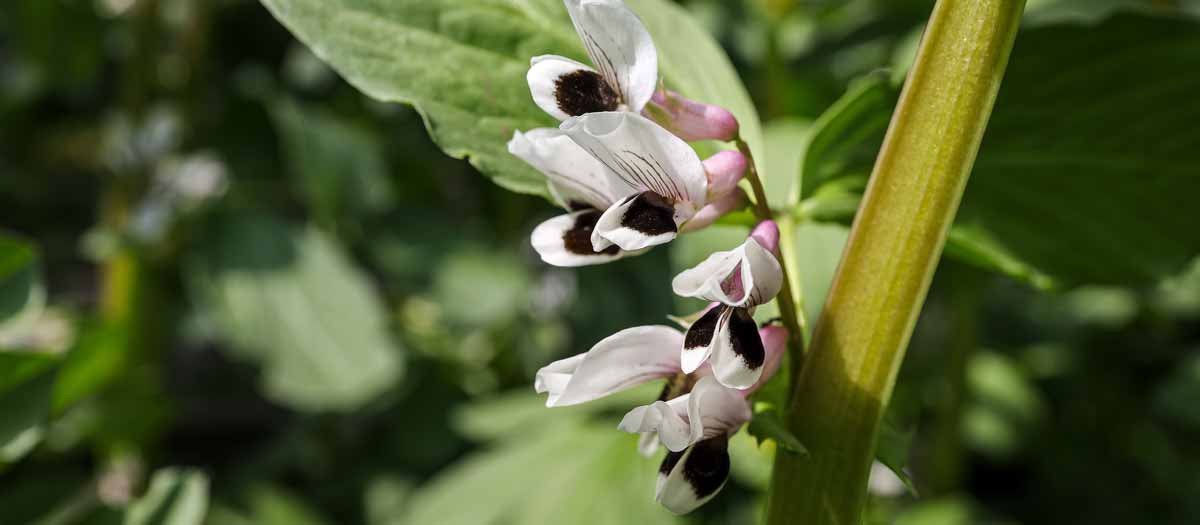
[463, 64]
[339, 167]
[290, 300]
[21, 292]
[1087, 169]
[26, 384]
[174, 497]
[544, 466]
[767, 424]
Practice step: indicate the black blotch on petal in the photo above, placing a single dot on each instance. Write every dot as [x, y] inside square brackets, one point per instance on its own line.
[581, 92]
[747, 344]
[670, 461]
[575, 205]
[707, 467]
[578, 239]
[649, 214]
[701, 332]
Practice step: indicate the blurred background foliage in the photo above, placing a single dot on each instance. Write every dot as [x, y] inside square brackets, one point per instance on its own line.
[234, 290]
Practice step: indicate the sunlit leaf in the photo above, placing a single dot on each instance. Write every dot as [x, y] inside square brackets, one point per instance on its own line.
[174, 497]
[21, 292]
[767, 424]
[463, 65]
[291, 301]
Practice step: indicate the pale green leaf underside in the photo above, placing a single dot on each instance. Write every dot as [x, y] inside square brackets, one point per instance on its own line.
[462, 64]
[290, 300]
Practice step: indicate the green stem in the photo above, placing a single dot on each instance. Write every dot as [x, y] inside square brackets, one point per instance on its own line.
[897, 238]
[792, 319]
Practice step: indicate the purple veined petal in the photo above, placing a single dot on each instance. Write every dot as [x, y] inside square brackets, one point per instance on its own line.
[643, 156]
[724, 277]
[576, 179]
[620, 48]
[623, 360]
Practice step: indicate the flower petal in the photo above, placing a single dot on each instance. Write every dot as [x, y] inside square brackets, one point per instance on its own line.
[623, 360]
[765, 273]
[620, 47]
[722, 277]
[669, 419]
[637, 222]
[566, 240]
[700, 340]
[648, 444]
[565, 88]
[644, 156]
[737, 361]
[690, 478]
[576, 179]
[774, 340]
[714, 409]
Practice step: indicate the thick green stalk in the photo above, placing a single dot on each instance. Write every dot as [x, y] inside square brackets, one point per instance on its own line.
[895, 243]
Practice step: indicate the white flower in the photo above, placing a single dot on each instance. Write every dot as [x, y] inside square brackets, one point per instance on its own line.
[726, 336]
[661, 181]
[694, 419]
[627, 183]
[623, 360]
[620, 48]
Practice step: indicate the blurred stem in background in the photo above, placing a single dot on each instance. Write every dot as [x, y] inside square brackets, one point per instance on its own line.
[946, 460]
[858, 344]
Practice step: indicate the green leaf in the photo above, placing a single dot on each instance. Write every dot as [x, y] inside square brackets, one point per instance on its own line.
[339, 167]
[174, 497]
[892, 451]
[564, 470]
[26, 384]
[845, 139]
[290, 300]
[785, 139]
[1086, 171]
[463, 64]
[818, 251]
[767, 424]
[21, 293]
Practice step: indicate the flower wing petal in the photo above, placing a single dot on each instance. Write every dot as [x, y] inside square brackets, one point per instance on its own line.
[635, 223]
[721, 277]
[575, 176]
[691, 478]
[566, 240]
[623, 360]
[737, 361]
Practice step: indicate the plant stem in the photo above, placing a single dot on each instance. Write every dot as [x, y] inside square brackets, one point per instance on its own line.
[787, 301]
[895, 243]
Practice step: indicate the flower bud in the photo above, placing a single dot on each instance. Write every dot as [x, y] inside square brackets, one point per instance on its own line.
[691, 120]
[733, 200]
[767, 236]
[724, 170]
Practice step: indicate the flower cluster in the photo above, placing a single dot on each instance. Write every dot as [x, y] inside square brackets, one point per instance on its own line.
[621, 167]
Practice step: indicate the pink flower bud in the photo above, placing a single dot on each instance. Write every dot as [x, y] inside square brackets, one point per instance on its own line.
[733, 200]
[691, 120]
[767, 236]
[724, 170]
[774, 339]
